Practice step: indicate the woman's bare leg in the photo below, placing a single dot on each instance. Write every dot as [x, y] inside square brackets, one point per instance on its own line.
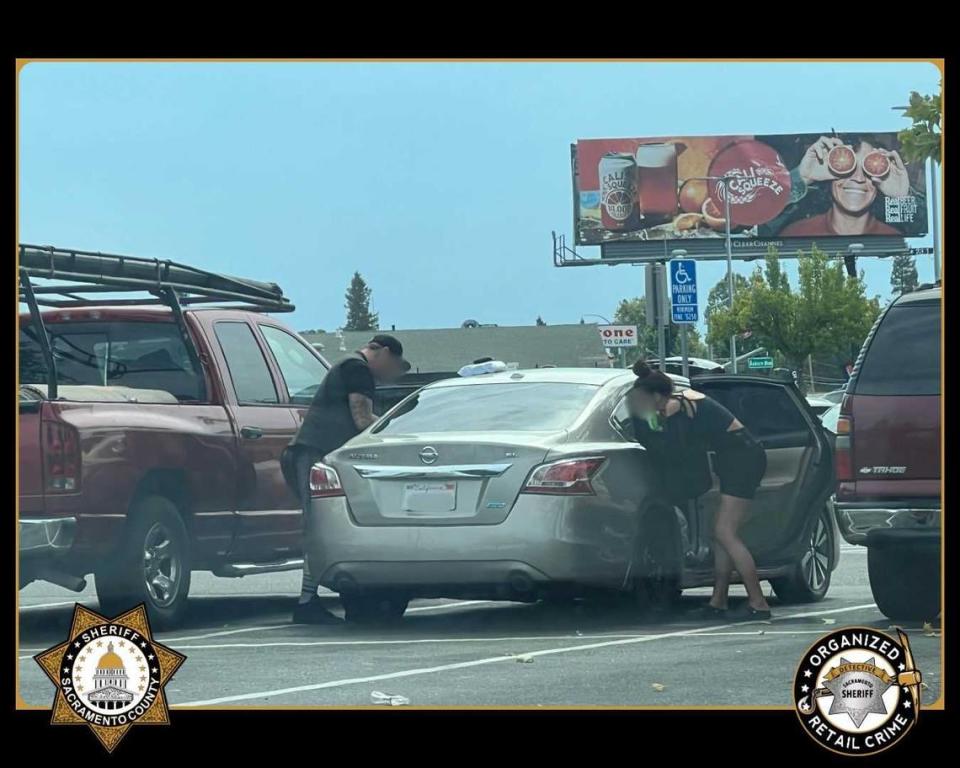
[729, 516]
[722, 565]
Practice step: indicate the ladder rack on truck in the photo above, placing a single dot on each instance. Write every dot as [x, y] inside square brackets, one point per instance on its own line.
[69, 275]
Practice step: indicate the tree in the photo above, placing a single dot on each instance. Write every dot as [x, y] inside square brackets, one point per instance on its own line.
[826, 316]
[359, 316]
[903, 274]
[921, 141]
[540, 320]
[719, 298]
[634, 312]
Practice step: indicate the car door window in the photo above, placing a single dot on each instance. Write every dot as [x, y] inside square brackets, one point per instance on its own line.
[621, 421]
[768, 412]
[302, 371]
[252, 381]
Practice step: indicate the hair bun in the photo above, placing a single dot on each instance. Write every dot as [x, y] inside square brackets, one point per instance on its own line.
[641, 370]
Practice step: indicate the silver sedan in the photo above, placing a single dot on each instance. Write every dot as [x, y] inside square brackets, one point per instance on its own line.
[527, 484]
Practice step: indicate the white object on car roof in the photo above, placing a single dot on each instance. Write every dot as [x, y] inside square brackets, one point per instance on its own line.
[478, 369]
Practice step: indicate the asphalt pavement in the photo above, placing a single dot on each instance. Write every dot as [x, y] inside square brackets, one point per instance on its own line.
[242, 649]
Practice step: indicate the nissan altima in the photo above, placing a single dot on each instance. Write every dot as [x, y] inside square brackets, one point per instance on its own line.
[528, 484]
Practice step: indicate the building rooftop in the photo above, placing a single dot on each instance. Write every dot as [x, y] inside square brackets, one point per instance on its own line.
[448, 349]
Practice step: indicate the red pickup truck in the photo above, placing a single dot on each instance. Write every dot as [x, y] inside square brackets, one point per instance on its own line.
[150, 435]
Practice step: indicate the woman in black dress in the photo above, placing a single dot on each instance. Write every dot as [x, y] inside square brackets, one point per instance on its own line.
[678, 428]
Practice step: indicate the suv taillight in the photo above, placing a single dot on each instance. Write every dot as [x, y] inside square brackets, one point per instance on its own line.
[324, 482]
[61, 457]
[843, 451]
[568, 477]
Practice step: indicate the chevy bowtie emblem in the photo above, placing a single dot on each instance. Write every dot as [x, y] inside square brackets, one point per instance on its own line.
[428, 455]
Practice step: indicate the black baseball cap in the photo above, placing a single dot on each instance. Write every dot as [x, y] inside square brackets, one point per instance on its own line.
[393, 344]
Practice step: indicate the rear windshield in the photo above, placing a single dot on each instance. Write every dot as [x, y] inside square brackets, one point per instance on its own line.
[904, 356]
[145, 355]
[513, 407]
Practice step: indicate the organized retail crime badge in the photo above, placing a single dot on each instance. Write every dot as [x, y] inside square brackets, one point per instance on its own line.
[857, 690]
[110, 674]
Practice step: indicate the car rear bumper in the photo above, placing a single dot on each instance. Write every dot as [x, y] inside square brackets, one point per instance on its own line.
[540, 543]
[46, 537]
[908, 519]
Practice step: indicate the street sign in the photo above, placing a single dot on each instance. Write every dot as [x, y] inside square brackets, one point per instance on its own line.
[683, 291]
[618, 335]
[755, 363]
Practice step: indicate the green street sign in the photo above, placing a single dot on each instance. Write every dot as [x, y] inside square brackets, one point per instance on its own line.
[755, 363]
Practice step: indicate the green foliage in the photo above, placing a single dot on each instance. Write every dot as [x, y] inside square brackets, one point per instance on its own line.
[634, 312]
[359, 316]
[922, 140]
[826, 316]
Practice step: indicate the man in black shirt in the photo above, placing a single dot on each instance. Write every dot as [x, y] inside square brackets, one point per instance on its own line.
[341, 408]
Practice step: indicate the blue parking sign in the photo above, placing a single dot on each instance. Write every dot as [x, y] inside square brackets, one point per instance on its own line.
[683, 291]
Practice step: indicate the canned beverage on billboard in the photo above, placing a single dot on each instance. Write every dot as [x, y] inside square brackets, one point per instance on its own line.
[657, 180]
[618, 192]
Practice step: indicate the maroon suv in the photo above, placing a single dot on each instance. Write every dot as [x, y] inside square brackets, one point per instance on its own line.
[888, 456]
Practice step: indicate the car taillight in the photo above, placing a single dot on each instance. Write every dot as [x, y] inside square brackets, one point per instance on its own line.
[568, 477]
[324, 482]
[843, 450]
[61, 455]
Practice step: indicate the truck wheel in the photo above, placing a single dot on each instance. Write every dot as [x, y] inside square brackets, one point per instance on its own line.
[152, 565]
[905, 582]
[374, 608]
[810, 579]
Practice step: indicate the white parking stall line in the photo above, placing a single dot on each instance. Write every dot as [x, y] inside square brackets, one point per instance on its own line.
[35, 606]
[441, 606]
[415, 641]
[503, 658]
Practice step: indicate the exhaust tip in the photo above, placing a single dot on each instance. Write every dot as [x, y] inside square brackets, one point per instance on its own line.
[520, 582]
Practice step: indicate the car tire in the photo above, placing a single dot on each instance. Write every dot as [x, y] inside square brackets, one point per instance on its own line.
[151, 566]
[905, 582]
[810, 579]
[373, 608]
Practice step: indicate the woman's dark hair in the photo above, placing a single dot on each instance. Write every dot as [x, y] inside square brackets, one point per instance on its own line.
[651, 380]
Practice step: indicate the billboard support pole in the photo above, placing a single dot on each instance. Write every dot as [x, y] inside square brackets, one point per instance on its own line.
[726, 216]
[936, 220]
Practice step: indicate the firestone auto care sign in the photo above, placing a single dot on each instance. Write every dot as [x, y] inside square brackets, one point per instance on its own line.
[618, 335]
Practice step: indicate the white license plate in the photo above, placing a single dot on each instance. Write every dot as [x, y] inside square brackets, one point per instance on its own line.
[429, 498]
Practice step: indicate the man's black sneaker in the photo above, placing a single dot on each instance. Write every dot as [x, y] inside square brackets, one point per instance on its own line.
[746, 612]
[313, 612]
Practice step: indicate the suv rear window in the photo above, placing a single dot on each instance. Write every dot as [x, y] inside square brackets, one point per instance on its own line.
[142, 355]
[904, 356]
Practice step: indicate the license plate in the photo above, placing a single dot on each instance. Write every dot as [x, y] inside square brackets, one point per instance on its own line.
[429, 498]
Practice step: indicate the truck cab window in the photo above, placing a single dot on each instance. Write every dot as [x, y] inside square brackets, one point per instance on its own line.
[301, 369]
[138, 355]
[252, 381]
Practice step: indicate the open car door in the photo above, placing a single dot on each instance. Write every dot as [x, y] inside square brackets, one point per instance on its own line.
[799, 474]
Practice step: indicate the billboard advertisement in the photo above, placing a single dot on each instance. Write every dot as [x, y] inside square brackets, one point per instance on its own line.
[810, 186]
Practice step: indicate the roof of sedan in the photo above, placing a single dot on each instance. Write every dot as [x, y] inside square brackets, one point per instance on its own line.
[595, 376]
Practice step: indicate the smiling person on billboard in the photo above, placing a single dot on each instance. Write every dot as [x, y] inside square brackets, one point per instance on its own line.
[858, 171]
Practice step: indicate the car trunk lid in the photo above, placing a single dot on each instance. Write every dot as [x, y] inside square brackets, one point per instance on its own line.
[437, 479]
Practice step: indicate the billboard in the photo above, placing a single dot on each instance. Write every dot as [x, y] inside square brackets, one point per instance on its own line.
[800, 187]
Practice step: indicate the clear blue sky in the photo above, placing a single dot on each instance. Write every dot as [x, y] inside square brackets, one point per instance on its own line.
[440, 182]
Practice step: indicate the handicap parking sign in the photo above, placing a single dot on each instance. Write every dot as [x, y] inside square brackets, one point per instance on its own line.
[683, 291]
